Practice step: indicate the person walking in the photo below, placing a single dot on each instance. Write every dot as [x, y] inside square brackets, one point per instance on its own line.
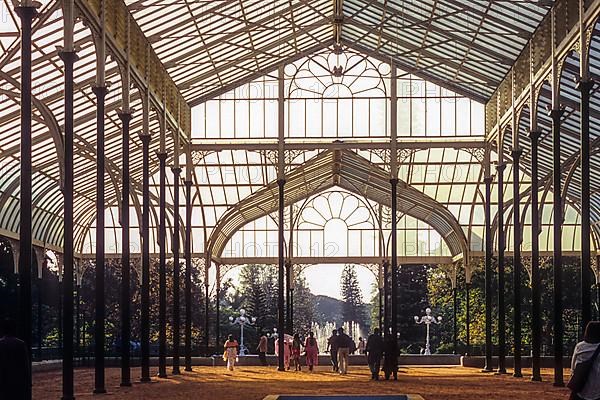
[374, 352]
[15, 364]
[361, 346]
[231, 352]
[262, 350]
[312, 351]
[332, 349]
[296, 350]
[345, 346]
[390, 361]
[584, 351]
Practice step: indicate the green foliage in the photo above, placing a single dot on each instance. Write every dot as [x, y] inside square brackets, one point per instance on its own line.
[412, 300]
[353, 310]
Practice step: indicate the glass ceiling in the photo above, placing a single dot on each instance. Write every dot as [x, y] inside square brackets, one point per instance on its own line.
[223, 57]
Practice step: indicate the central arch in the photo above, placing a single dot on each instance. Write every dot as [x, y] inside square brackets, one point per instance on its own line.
[347, 170]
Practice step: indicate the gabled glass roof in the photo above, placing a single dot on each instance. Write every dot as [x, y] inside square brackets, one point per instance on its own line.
[210, 47]
[452, 55]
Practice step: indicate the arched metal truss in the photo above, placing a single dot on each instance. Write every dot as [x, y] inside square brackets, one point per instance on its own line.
[347, 170]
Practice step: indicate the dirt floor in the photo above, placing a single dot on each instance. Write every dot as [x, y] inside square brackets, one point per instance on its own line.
[254, 383]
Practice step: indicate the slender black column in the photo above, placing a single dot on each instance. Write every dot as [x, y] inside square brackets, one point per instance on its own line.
[516, 154]
[468, 317]
[454, 322]
[381, 301]
[206, 316]
[501, 276]
[280, 280]
[188, 275]
[39, 318]
[176, 272]
[585, 86]
[26, 14]
[288, 285]
[292, 308]
[536, 294]
[60, 313]
[69, 58]
[78, 320]
[386, 298]
[99, 316]
[125, 257]
[162, 274]
[488, 275]
[145, 293]
[557, 253]
[218, 314]
[394, 264]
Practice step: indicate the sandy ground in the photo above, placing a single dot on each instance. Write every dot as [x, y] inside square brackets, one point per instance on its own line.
[254, 383]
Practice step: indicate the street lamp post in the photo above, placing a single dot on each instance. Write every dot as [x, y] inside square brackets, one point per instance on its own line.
[428, 319]
[242, 320]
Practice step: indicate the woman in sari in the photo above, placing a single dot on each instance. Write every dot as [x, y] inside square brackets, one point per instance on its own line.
[231, 352]
[312, 351]
[296, 350]
[287, 349]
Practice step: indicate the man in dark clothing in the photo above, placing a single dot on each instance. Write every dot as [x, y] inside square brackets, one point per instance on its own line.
[346, 346]
[15, 365]
[374, 352]
[332, 347]
[390, 362]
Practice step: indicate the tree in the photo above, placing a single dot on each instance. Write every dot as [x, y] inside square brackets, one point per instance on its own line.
[412, 300]
[254, 297]
[304, 305]
[352, 309]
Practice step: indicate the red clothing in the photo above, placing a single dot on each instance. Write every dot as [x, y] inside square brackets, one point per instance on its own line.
[312, 351]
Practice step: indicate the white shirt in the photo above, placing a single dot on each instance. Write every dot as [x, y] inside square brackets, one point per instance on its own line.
[584, 351]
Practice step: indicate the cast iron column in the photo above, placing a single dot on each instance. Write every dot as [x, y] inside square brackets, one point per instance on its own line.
[176, 272]
[40, 335]
[69, 58]
[516, 154]
[501, 278]
[488, 275]
[468, 317]
[26, 14]
[288, 285]
[99, 307]
[145, 293]
[557, 254]
[585, 86]
[217, 312]
[394, 265]
[206, 315]
[125, 257]
[454, 322]
[536, 293]
[386, 298]
[280, 280]
[162, 274]
[77, 319]
[188, 275]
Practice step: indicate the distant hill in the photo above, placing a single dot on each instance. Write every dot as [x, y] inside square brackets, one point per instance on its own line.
[328, 309]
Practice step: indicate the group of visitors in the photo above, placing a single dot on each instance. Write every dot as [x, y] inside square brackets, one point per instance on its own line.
[340, 346]
[585, 366]
[292, 351]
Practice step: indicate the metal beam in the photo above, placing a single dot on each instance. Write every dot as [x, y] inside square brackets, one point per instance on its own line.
[146, 68]
[402, 260]
[336, 144]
